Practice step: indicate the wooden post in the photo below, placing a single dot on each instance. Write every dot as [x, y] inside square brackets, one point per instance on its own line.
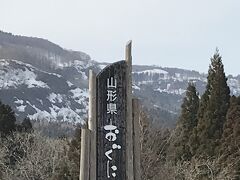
[84, 159]
[136, 140]
[129, 121]
[92, 124]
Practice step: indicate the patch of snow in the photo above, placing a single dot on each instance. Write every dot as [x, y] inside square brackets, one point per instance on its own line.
[21, 108]
[234, 85]
[135, 87]
[156, 106]
[69, 83]
[153, 71]
[55, 107]
[53, 112]
[79, 63]
[62, 65]
[69, 115]
[15, 77]
[19, 101]
[178, 75]
[3, 62]
[40, 115]
[171, 91]
[102, 66]
[146, 82]
[79, 95]
[34, 68]
[79, 111]
[55, 98]
[152, 75]
[22, 63]
[84, 76]
[58, 75]
[168, 86]
[40, 101]
[58, 113]
[63, 114]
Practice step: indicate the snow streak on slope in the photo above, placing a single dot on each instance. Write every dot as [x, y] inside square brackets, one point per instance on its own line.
[12, 78]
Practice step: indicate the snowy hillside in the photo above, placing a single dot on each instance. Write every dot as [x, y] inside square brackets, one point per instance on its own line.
[162, 89]
[62, 95]
[171, 83]
[41, 95]
[48, 82]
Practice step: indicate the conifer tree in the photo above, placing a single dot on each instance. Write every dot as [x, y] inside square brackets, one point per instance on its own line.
[230, 142]
[26, 125]
[7, 120]
[213, 109]
[187, 122]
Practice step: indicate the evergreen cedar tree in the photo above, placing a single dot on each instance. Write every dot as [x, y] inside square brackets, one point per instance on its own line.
[213, 108]
[26, 125]
[230, 143]
[186, 123]
[7, 120]
[201, 123]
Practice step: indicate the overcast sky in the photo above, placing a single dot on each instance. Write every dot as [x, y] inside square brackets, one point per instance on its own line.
[168, 33]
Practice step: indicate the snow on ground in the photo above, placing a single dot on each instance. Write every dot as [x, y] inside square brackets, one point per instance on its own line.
[79, 111]
[40, 101]
[79, 95]
[34, 68]
[39, 114]
[55, 98]
[21, 108]
[14, 73]
[18, 101]
[150, 74]
[69, 115]
[63, 112]
[102, 66]
[3, 62]
[234, 85]
[21, 63]
[171, 91]
[135, 87]
[69, 84]
[12, 78]
[56, 113]
[152, 71]
[80, 66]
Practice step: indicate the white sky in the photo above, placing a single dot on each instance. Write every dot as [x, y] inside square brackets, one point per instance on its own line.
[172, 33]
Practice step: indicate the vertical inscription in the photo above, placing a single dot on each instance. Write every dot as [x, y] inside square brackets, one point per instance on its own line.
[111, 125]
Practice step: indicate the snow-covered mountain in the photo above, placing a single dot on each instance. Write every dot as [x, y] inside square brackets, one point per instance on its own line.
[170, 80]
[41, 95]
[46, 82]
[162, 89]
[43, 81]
[62, 94]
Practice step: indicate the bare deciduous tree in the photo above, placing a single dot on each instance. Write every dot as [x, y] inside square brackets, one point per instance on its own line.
[36, 157]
